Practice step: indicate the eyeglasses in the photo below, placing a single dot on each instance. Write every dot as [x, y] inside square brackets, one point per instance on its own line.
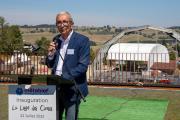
[63, 23]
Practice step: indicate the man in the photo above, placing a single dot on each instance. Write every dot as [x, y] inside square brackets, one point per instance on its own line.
[69, 56]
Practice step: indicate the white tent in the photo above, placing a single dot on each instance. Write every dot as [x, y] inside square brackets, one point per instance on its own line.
[18, 57]
[138, 52]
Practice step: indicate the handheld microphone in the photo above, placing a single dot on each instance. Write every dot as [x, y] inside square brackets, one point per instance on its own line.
[56, 42]
[34, 48]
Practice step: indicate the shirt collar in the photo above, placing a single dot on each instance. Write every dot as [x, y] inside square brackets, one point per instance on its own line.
[68, 38]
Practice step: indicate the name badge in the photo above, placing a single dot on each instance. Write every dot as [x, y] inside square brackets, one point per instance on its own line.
[70, 51]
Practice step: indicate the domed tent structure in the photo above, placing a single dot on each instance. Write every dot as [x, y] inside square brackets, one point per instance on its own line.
[99, 66]
[98, 60]
[150, 53]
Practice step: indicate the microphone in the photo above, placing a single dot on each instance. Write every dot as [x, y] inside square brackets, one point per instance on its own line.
[56, 42]
[34, 48]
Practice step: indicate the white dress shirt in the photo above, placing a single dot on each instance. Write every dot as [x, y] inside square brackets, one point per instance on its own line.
[63, 49]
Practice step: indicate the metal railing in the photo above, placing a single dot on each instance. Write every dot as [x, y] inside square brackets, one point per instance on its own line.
[18, 63]
[135, 68]
[116, 69]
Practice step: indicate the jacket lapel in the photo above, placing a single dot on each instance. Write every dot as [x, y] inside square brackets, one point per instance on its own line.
[70, 45]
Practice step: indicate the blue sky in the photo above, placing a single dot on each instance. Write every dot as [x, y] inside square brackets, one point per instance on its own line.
[123, 13]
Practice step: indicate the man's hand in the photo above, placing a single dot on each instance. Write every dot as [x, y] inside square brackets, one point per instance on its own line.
[51, 48]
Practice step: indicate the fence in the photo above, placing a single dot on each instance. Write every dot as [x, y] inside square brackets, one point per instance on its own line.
[135, 68]
[19, 63]
[117, 68]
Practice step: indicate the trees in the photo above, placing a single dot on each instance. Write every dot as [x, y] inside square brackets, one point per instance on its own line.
[2, 22]
[92, 55]
[10, 37]
[172, 55]
[178, 50]
[164, 43]
[43, 43]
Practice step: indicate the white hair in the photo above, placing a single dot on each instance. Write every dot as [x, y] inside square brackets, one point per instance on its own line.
[66, 13]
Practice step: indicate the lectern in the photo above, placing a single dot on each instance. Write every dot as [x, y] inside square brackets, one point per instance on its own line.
[25, 79]
[58, 80]
[51, 80]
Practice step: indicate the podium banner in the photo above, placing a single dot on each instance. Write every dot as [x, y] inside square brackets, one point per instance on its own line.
[33, 102]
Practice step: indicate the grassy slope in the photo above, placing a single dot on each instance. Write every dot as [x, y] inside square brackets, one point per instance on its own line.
[113, 108]
[173, 97]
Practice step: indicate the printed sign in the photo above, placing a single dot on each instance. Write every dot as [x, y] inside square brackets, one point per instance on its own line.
[32, 103]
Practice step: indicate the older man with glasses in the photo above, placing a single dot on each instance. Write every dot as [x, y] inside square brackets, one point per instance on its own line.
[69, 57]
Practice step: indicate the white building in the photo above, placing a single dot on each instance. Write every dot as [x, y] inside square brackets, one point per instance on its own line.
[138, 52]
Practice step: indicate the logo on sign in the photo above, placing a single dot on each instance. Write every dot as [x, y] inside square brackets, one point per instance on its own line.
[19, 91]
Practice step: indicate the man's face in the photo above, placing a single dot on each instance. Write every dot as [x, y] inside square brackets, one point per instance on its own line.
[64, 24]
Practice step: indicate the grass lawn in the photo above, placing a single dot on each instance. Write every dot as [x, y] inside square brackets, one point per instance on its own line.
[111, 108]
[120, 104]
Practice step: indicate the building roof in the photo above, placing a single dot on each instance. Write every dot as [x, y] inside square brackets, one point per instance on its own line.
[137, 48]
[164, 66]
[138, 52]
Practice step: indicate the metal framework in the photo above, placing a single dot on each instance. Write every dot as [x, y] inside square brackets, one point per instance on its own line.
[98, 59]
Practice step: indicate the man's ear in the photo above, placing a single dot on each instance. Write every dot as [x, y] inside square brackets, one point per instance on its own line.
[72, 23]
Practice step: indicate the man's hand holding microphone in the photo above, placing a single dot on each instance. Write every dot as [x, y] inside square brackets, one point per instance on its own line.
[52, 49]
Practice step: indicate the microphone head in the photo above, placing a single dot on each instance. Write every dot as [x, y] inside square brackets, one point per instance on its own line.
[35, 48]
[55, 40]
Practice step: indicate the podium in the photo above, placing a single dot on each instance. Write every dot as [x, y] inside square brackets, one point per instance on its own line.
[50, 80]
[24, 79]
[20, 92]
[32, 102]
[35, 91]
[58, 80]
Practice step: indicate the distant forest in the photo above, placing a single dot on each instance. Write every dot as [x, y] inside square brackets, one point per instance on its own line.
[38, 26]
[53, 25]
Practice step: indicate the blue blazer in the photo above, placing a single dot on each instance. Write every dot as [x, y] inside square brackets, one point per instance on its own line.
[76, 60]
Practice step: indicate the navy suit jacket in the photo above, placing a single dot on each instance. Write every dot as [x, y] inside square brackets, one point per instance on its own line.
[76, 60]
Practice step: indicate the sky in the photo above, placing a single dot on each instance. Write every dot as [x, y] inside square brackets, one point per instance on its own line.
[119, 13]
